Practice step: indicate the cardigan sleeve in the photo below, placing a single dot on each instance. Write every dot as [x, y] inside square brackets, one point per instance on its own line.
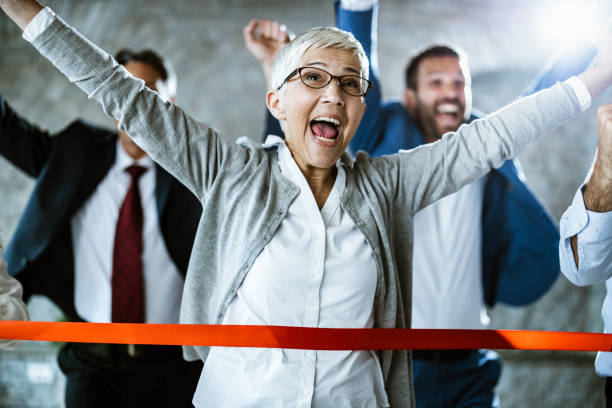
[191, 151]
[421, 176]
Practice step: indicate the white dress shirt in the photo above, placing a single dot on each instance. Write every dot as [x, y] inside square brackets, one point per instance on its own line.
[594, 232]
[93, 236]
[317, 271]
[447, 290]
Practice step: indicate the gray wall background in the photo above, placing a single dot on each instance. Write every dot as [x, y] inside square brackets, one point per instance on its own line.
[220, 84]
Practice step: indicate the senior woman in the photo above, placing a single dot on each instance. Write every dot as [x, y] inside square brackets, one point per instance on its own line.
[297, 233]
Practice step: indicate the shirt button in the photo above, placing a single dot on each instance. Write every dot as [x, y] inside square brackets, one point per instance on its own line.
[359, 224]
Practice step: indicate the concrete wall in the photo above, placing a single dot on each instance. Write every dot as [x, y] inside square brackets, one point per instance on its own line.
[219, 83]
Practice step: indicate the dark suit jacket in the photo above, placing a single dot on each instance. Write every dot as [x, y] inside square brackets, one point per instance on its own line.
[68, 167]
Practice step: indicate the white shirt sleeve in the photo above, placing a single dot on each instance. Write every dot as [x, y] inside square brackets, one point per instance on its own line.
[39, 23]
[594, 232]
[357, 5]
[581, 91]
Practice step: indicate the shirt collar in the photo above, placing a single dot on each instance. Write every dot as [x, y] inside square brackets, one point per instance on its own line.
[290, 169]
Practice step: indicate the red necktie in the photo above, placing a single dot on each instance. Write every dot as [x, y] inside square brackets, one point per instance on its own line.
[127, 280]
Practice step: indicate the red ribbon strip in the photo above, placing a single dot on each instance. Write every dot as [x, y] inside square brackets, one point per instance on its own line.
[303, 337]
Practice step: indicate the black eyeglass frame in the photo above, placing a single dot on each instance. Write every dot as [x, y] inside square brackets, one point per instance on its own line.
[298, 71]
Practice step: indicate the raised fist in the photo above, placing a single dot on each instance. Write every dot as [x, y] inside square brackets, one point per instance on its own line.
[264, 38]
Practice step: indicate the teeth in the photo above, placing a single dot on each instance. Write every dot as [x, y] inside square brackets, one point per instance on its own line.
[323, 139]
[448, 108]
[327, 119]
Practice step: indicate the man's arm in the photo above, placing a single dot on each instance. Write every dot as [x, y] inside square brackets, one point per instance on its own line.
[23, 144]
[21, 11]
[597, 191]
[263, 39]
[362, 23]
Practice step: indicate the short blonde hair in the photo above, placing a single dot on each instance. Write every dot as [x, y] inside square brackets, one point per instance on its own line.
[290, 56]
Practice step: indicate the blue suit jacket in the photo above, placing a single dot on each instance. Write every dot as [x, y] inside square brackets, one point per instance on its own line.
[519, 239]
[68, 167]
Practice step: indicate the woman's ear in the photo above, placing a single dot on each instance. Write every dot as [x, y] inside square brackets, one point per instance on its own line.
[275, 104]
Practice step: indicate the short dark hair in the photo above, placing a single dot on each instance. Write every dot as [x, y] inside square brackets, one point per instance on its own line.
[430, 51]
[152, 58]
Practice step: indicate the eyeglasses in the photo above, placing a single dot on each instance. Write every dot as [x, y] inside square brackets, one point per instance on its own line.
[318, 78]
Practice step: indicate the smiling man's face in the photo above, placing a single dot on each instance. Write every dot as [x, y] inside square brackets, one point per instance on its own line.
[320, 123]
[438, 103]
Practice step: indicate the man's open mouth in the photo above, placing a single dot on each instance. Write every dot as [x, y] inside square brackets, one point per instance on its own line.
[450, 109]
[325, 129]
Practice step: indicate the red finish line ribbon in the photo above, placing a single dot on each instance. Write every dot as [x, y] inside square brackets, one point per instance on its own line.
[303, 337]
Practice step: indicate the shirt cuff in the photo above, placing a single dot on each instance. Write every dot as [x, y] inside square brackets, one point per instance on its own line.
[591, 226]
[581, 91]
[357, 5]
[38, 24]
[575, 218]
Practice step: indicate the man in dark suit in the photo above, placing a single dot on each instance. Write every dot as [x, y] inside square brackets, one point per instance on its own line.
[106, 235]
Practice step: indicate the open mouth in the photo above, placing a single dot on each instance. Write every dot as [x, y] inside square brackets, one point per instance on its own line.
[448, 109]
[325, 129]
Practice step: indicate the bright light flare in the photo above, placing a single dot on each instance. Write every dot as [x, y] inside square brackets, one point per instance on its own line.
[563, 21]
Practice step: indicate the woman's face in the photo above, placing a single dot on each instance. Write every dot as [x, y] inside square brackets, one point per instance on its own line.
[320, 123]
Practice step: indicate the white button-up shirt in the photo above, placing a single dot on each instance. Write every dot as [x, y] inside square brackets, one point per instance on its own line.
[594, 232]
[447, 288]
[317, 271]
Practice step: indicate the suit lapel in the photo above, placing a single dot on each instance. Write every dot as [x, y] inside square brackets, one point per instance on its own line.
[163, 182]
[92, 168]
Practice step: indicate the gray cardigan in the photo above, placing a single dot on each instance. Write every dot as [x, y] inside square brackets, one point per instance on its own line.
[245, 196]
